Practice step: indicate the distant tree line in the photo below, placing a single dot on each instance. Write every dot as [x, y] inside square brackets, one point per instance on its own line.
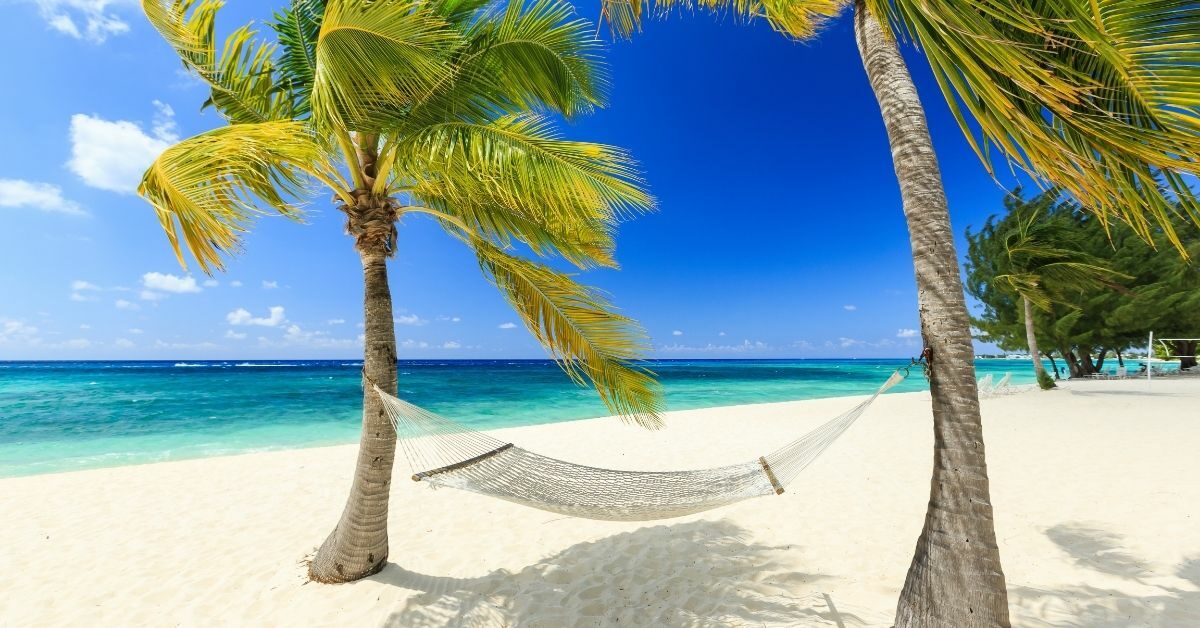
[1093, 289]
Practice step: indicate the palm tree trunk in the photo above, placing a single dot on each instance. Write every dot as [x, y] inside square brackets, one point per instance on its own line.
[955, 578]
[1031, 338]
[358, 546]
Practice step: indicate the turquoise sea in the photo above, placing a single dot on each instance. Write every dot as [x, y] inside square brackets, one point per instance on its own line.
[61, 416]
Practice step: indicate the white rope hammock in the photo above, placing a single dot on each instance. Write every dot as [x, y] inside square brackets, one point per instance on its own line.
[453, 455]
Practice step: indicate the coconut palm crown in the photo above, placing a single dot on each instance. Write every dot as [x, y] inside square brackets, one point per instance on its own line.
[402, 108]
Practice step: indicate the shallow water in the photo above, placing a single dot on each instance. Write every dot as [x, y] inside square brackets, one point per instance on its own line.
[61, 416]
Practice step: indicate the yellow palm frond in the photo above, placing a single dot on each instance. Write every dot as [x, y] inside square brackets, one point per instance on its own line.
[1101, 98]
[519, 162]
[524, 56]
[208, 187]
[241, 78]
[579, 328]
[374, 59]
[583, 243]
[798, 19]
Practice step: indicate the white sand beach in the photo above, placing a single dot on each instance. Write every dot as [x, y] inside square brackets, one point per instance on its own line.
[1096, 490]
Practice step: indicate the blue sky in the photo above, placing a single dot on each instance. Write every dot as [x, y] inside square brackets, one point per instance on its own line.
[779, 232]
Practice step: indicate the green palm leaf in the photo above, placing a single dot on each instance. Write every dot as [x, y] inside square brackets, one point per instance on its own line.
[297, 28]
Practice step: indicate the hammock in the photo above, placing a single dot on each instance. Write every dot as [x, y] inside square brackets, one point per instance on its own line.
[458, 457]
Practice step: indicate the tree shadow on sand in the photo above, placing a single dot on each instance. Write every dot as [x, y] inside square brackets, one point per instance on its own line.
[701, 573]
[1086, 605]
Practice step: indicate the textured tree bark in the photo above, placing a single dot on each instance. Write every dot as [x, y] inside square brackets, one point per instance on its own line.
[358, 546]
[1072, 362]
[1031, 338]
[955, 579]
[1053, 364]
[1086, 366]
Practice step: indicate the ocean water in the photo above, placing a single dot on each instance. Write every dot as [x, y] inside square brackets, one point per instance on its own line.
[62, 416]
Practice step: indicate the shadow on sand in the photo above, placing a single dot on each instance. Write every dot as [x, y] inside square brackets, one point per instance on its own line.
[1096, 607]
[701, 573]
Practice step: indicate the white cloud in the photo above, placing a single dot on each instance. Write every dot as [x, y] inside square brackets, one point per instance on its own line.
[161, 282]
[150, 295]
[80, 284]
[85, 327]
[123, 343]
[745, 346]
[81, 297]
[113, 155]
[80, 290]
[851, 342]
[270, 285]
[211, 283]
[409, 319]
[451, 344]
[235, 284]
[452, 319]
[74, 343]
[19, 194]
[159, 344]
[676, 333]
[122, 304]
[906, 333]
[849, 308]
[91, 20]
[242, 316]
[233, 335]
[508, 325]
[414, 344]
[17, 331]
[336, 321]
[721, 334]
[135, 330]
[295, 335]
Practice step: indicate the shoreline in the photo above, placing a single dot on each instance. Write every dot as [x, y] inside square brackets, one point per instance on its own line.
[501, 431]
[222, 539]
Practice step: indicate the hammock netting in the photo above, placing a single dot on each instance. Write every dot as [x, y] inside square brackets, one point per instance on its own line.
[444, 453]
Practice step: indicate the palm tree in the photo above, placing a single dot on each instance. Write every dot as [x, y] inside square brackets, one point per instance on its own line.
[413, 108]
[1098, 97]
[1040, 259]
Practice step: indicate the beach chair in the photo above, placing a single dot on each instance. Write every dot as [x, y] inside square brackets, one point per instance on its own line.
[1004, 386]
[985, 386]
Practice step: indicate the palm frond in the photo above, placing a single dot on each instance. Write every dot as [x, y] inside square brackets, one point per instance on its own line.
[297, 28]
[241, 79]
[208, 187]
[579, 328]
[519, 162]
[373, 59]
[798, 19]
[588, 243]
[527, 56]
[1101, 98]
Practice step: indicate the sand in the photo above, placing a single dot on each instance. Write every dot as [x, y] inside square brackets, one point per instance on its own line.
[1096, 490]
